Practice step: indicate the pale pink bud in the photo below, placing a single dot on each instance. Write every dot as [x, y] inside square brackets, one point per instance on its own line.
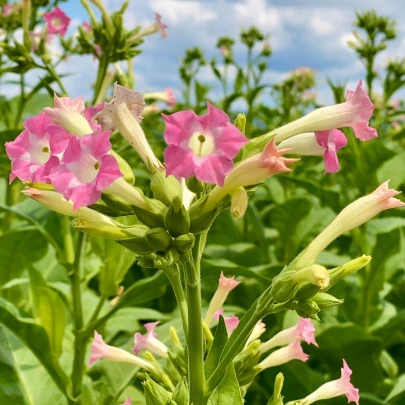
[149, 341]
[231, 322]
[127, 401]
[157, 26]
[335, 388]
[151, 109]
[87, 27]
[303, 330]
[258, 331]
[354, 215]
[58, 21]
[281, 356]
[8, 9]
[100, 350]
[226, 285]
[166, 96]
[239, 202]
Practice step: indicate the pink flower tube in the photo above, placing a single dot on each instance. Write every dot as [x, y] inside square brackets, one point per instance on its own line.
[149, 341]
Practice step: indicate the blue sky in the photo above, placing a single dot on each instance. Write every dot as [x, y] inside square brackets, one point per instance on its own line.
[309, 33]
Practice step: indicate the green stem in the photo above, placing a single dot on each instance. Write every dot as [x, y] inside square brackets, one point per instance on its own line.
[67, 241]
[175, 280]
[12, 196]
[102, 70]
[80, 339]
[99, 307]
[22, 102]
[49, 68]
[195, 343]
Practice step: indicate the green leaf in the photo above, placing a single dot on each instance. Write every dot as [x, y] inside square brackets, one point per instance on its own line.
[12, 389]
[220, 339]
[393, 169]
[228, 391]
[36, 339]
[398, 391]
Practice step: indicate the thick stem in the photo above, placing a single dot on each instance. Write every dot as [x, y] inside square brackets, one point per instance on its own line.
[195, 344]
[99, 307]
[102, 71]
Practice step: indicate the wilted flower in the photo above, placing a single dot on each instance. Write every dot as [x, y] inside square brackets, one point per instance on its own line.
[149, 341]
[34, 154]
[58, 21]
[303, 330]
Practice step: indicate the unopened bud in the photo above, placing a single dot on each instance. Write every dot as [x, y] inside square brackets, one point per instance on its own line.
[325, 301]
[184, 242]
[158, 239]
[240, 122]
[308, 308]
[153, 216]
[125, 168]
[165, 188]
[116, 203]
[283, 288]
[138, 243]
[201, 221]
[172, 256]
[315, 274]
[177, 220]
[194, 185]
[239, 202]
[277, 398]
[100, 228]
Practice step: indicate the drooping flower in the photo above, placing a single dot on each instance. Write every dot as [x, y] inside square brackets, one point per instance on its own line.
[167, 96]
[303, 330]
[258, 331]
[293, 351]
[325, 143]
[225, 286]
[87, 169]
[58, 21]
[251, 171]
[231, 322]
[100, 350]
[34, 154]
[335, 388]
[149, 341]
[68, 113]
[201, 146]
[354, 215]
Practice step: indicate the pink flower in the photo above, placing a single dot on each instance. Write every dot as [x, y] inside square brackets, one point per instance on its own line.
[127, 401]
[97, 50]
[160, 26]
[335, 388]
[87, 27]
[100, 350]
[87, 169]
[225, 286]
[89, 114]
[231, 322]
[8, 9]
[149, 341]
[34, 153]
[170, 98]
[58, 21]
[281, 356]
[257, 331]
[303, 330]
[201, 146]
[332, 140]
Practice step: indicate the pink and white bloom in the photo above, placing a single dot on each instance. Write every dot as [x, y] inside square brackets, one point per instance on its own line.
[89, 114]
[281, 356]
[355, 113]
[251, 171]
[34, 154]
[325, 143]
[201, 146]
[87, 169]
[149, 341]
[231, 322]
[58, 22]
[225, 286]
[335, 388]
[8, 9]
[257, 331]
[303, 330]
[69, 114]
[355, 214]
[167, 96]
[100, 350]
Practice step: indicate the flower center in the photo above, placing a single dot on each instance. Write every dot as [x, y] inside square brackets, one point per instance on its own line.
[85, 169]
[40, 151]
[201, 144]
[57, 22]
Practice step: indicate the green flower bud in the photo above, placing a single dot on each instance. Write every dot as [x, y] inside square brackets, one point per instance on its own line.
[172, 256]
[200, 222]
[100, 228]
[324, 300]
[306, 291]
[184, 242]
[276, 398]
[194, 185]
[314, 274]
[177, 221]
[158, 239]
[180, 394]
[155, 394]
[153, 216]
[283, 288]
[240, 122]
[125, 168]
[165, 188]
[308, 308]
[117, 204]
[138, 243]
[239, 202]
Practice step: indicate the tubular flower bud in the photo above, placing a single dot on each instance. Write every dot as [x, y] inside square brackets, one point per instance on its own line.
[151, 109]
[258, 331]
[58, 22]
[231, 322]
[239, 202]
[100, 228]
[68, 113]
[100, 350]
[323, 143]
[128, 193]
[55, 202]
[123, 113]
[315, 274]
[166, 96]
[251, 171]
[354, 215]
[149, 341]
[281, 356]
[177, 220]
[355, 112]
[335, 388]
[225, 286]
[157, 26]
[303, 330]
